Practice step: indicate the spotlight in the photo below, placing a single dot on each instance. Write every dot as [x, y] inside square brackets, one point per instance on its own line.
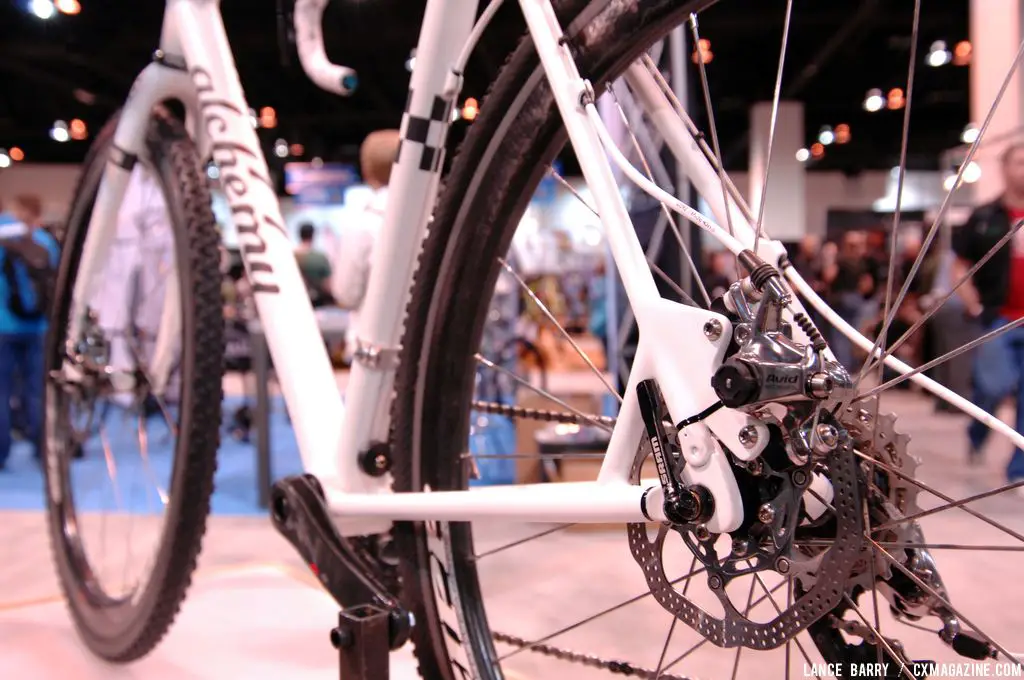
[874, 101]
[78, 130]
[949, 182]
[972, 173]
[962, 53]
[842, 133]
[411, 61]
[826, 136]
[68, 6]
[253, 120]
[970, 134]
[938, 55]
[702, 54]
[895, 100]
[59, 131]
[43, 9]
[802, 155]
[281, 148]
[268, 117]
[470, 109]
[817, 151]
[16, 154]
[296, 149]
[212, 171]
[5, 160]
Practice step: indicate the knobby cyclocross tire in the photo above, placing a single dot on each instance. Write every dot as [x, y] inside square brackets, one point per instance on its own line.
[493, 176]
[128, 628]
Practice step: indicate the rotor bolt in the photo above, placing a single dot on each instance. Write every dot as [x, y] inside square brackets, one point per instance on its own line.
[740, 547]
[755, 467]
[799, 477]
[766, 514]
[748, 436]
[713, 329]
[701, 532]
[827, 437]
[714, 582]
[742, 333]
[782, 565]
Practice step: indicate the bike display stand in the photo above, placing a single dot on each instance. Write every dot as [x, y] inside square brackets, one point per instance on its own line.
[362, 639]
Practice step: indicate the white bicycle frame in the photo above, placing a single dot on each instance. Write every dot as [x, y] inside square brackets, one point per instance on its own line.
[195, 65]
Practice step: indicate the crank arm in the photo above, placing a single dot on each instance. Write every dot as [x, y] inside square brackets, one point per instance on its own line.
[300, 515]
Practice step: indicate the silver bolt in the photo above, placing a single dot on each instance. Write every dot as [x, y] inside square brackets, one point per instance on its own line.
[755, 467]
[742, 333]
[827, 437]
[864, 416]
[782, 565]
[701, 532]
[714, 582]
[713, 329]
[766, 514]
[748, 436]
[799, 477]
[740, 547]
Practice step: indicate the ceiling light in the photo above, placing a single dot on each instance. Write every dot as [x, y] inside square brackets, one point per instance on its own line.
[43, 9]
[59, 131]
[972, 173]
[296, 149]
[962, 53]
[826, 136]
[817, 151]
[842, 133]
[78, 130]
[281, 148]
[68, 6]
[938, 55]
[456, 113]
[16, 153]
[470, 109]
[212, 171]
[874, 101]
[702, 54]
[268, 117]
[411, 61]
[895, 99]
[970, 134]
[5, 160]
[253, 120]
[802, 155]
[949, 182]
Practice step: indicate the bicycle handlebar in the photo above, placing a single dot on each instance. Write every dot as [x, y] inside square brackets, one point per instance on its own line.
[309, 40]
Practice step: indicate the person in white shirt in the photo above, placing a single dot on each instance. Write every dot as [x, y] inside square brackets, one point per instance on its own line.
[353, 254]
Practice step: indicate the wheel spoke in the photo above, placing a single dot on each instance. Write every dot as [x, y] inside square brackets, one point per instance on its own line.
[603, 612]
[880, 641]
[521, 541]
[898, 213]
[776, 96]
[551, 317]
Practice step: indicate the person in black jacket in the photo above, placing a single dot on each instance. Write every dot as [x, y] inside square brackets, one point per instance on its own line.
[995, 297]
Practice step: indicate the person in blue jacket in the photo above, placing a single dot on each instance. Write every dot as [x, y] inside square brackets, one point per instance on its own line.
[23, 318]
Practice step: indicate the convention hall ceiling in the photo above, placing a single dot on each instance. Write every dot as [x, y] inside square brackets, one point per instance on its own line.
[80, 66]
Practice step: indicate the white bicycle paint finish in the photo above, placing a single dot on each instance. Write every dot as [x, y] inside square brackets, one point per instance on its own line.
[198, 69]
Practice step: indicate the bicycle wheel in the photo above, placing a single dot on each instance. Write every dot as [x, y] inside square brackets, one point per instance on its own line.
[101, 380]
[446, 580]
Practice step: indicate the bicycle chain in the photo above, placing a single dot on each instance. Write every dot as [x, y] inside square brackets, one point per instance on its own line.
[615, 667]
[541, 414]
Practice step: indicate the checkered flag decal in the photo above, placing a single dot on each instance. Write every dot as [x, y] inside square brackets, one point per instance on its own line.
[425, 134]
